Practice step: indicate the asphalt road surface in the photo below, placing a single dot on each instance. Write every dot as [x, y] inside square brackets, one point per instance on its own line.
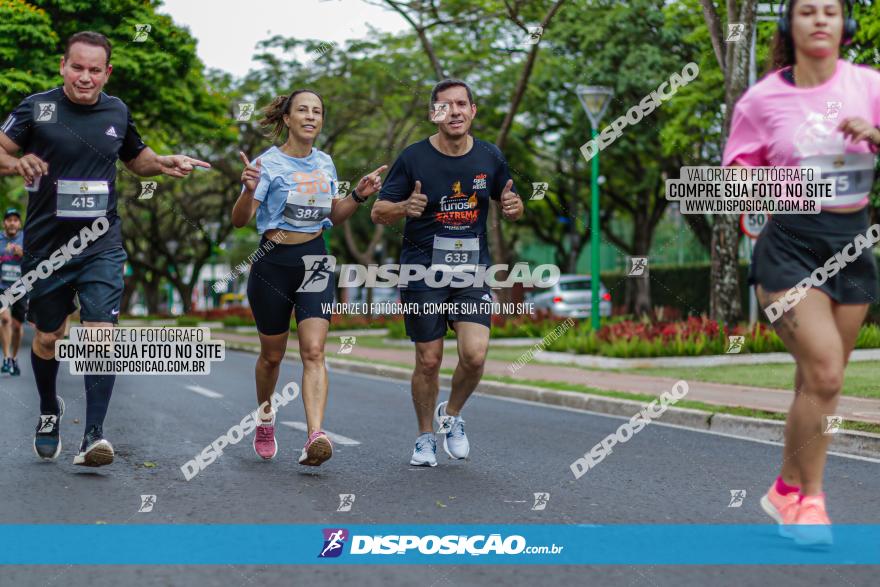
[663, 475]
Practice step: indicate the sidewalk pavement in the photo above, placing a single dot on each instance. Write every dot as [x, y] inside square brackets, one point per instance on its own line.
[759, 398]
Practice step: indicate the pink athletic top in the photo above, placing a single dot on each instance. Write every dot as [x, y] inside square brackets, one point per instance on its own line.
[777, 124]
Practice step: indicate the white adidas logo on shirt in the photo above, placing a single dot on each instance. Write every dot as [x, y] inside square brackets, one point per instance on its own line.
[111, 132]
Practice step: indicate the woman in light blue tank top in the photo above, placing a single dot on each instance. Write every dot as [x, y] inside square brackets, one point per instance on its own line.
[294, 192]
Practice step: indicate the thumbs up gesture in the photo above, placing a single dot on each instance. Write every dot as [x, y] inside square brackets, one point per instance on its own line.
[416, 203]
[511, 204]
[250, 177]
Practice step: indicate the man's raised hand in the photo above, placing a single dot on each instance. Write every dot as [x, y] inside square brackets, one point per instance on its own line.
[416, 203]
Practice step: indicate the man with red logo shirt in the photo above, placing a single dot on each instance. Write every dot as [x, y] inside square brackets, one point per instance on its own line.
[442, 185]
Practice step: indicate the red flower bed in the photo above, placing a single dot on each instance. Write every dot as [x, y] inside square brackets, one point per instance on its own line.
[630, 329]
[665, 331]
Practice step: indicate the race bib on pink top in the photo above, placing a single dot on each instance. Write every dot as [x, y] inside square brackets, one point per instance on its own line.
[775, 123]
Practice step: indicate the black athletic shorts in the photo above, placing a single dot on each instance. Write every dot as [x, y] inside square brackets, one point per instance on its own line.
[95, 280]
[18, 311]
[276, 278]
[793, 246]
[438, 308]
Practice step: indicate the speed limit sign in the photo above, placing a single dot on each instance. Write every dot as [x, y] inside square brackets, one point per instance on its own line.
[753, 224]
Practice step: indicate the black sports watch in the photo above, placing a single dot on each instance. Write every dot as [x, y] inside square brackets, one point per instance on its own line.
[357, 198]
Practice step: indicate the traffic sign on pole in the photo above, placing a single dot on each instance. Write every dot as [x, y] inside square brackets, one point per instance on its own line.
[753, 224]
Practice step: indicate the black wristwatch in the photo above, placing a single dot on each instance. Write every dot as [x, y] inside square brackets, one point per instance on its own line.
[357, 198]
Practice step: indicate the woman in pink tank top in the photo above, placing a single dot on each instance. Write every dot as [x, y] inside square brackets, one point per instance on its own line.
[815, 274]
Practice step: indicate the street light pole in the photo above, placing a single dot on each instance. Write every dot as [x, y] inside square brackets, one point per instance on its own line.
[595, 100]
[595, 265]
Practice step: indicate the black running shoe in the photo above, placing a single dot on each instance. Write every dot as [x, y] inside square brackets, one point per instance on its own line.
[94, 451]
[7, 366]
[13, 368]
[47, 440]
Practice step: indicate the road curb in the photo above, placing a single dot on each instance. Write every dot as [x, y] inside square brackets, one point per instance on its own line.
[848, 442]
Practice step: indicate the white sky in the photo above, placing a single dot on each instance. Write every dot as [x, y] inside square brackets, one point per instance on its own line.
[228, 30]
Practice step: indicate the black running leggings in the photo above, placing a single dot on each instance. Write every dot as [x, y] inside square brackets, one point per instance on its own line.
[275, 278]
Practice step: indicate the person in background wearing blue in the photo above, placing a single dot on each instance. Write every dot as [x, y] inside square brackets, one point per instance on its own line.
[12, 318]
[293, 190]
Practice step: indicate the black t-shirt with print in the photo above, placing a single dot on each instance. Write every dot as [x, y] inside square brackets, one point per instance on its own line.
[458, 191]
[80, 143]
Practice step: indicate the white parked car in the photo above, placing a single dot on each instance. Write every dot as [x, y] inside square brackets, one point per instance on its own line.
[571, 297]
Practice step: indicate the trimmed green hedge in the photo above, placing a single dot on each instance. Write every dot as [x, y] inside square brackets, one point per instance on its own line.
[684, 287]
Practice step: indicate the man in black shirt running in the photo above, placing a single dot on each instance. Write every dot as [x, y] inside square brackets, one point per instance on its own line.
[71, 138]
[443, 186]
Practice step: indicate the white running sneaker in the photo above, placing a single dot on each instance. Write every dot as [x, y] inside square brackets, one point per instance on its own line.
[95, 450]
[455, 441]
[425, 452]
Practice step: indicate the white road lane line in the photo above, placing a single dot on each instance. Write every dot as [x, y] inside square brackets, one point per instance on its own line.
[568, 409]
[205, 392]
[337, 438]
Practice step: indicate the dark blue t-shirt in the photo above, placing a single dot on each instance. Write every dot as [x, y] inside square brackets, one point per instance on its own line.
[80, 143]
[458, 191]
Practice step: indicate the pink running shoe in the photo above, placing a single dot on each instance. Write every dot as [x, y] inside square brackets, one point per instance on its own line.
[317, 450]
[264, 441]
[812, 526]
[782, 508]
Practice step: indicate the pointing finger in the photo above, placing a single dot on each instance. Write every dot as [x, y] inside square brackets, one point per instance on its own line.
[244, 158]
